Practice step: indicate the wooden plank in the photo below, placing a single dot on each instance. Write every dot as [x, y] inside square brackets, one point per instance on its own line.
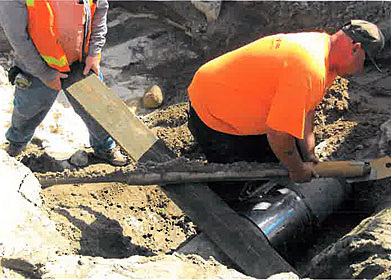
[201, 245]
[114, 116]
[236, 236]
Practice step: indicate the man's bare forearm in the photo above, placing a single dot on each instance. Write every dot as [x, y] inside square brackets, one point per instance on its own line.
[307, 145]
[284, 147]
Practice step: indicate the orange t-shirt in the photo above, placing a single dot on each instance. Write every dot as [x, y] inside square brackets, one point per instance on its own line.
[272, 82]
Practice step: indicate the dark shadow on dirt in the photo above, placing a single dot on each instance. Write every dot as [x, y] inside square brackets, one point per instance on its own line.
[42, 162]
[103, 237]
[24, 268]
[337, 225]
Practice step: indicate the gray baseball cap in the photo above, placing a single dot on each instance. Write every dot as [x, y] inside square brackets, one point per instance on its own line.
[368, 34]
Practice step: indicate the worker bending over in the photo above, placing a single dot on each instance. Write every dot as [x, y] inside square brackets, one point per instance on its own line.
[257, 103]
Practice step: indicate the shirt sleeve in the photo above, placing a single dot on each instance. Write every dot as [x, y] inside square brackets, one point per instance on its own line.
[14, 20]
[289, 105]
[98, 28]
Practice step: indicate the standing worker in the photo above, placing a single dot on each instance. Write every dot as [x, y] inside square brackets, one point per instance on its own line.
[257, 103]
[48, 37]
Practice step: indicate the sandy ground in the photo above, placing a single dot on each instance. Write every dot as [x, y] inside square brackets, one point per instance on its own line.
[116, 221]
[140, 220]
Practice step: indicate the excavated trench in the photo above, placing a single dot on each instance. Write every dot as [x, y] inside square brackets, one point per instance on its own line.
[113, 220]
[130, 220]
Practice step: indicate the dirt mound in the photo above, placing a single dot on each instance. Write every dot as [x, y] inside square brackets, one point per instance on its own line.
[170, 124]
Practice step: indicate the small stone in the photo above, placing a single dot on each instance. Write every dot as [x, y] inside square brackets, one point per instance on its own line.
[80, 158]
[153, 97]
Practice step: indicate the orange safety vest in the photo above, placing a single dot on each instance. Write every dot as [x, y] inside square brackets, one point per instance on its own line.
[44, 33]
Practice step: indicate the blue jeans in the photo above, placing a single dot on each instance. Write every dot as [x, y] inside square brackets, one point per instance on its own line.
[32, 105]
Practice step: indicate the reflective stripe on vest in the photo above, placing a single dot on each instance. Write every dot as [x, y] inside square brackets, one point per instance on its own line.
[44, 33]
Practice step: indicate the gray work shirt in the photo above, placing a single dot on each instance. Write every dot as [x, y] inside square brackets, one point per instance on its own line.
[14, 20]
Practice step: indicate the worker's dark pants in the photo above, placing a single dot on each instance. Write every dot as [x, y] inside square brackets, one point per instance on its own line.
[31, 105]
[226, 148]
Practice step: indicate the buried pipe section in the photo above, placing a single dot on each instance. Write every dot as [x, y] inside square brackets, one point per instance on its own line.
[286, 214]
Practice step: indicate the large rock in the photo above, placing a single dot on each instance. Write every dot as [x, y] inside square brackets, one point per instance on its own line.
[174, 266]
[27, 235]
[362, 253]
[137, 267]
